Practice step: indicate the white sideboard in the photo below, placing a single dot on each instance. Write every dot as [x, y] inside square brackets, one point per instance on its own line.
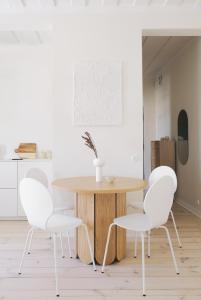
[11, 173]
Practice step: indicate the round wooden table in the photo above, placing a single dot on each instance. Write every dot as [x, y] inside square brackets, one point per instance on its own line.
[97, 204]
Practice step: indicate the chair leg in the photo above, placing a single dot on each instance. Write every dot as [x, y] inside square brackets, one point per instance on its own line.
[69, 247]
[143, 265]
[30, 242]
[106, 247]
[175, 227]
[136, 240]
[61, 242]
[55, 264]
[171, 248]
[149, 244]
[25, 249]
[89, 245]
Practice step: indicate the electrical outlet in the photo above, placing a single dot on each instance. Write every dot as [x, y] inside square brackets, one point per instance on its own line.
[134, 157]
[198, 202]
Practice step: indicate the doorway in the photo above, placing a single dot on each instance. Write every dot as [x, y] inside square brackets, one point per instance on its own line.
[171, 89]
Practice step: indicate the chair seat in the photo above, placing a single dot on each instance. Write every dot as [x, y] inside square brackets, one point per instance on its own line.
[135, 222]
[62, 223]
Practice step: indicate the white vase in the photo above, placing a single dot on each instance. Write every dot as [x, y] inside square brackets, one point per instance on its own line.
[98, 163]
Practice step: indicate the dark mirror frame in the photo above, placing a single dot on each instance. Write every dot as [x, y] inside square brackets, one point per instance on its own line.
[182, 142]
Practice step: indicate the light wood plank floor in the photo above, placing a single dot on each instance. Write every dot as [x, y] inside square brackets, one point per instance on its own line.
[120, 281]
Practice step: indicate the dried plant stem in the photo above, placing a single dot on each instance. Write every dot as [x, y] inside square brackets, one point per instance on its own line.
[89, 143]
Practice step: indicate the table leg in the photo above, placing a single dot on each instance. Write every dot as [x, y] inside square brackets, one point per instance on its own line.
[105, 211]
[85, 211]
[97, 212]
[121, 233]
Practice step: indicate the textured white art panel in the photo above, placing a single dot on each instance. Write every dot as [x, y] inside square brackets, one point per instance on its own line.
[97, 93]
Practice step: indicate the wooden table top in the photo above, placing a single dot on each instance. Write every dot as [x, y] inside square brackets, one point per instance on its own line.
[89, 185]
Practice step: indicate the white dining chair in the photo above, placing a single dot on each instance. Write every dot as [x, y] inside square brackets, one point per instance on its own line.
[155, 175]
[38, 206]
[40, 175]
[155, 216]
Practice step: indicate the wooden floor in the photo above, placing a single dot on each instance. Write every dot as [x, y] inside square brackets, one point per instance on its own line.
[120, 281]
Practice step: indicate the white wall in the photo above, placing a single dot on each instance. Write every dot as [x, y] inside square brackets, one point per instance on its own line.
[97, 39]
[157, 114]
[162, 106]
[25, 97]
[149, 122]
[82, 36]
[185, 73]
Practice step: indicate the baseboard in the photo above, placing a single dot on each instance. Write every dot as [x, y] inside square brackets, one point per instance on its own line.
[13, 219]
[189, 207]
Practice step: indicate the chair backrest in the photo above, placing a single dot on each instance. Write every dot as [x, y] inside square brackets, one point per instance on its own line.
[36, 201]
[161, 171]
[158, 201]
[39, 175]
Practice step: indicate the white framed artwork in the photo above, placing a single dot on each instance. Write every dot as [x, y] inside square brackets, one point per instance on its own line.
[97, 93]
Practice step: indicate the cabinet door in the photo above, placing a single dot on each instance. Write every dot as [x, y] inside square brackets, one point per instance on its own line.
[24, 167]
[8, 202]
[8, 175]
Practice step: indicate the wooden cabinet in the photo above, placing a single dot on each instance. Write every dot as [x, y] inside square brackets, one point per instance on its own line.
[11, 173]
[163, 153]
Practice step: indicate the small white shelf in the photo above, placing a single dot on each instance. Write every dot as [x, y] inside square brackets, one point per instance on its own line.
[26, 160]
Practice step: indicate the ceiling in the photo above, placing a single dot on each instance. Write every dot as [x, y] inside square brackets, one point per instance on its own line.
[25, 37]
[159, 50]
[10, 6]
[32, 36]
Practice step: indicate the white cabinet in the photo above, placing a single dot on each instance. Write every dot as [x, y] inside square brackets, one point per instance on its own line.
[11, 173]
[8, 202]
[8, 174]
[8, 189]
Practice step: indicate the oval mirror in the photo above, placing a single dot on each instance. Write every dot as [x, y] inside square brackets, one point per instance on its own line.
[183, 148]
